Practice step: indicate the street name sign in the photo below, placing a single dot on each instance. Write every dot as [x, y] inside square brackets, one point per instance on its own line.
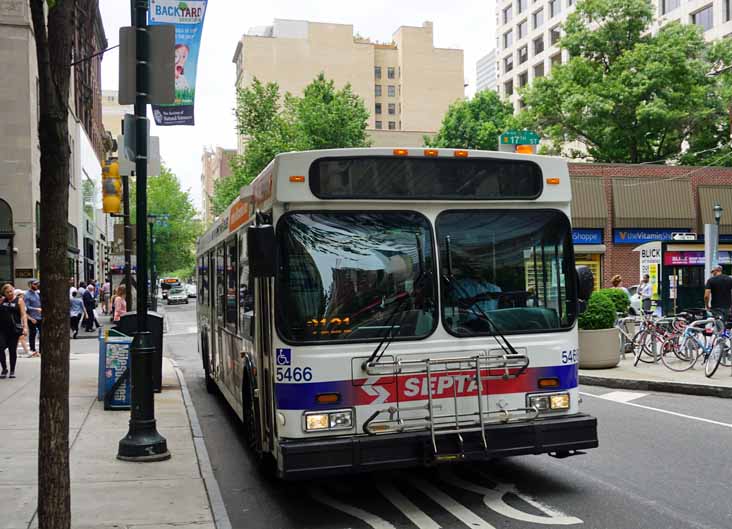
[519, 137]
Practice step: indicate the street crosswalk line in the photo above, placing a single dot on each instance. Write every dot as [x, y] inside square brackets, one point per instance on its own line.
[622, 396]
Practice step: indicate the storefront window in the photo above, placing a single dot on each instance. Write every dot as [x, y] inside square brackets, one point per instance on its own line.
[6, 242]
[593, 261]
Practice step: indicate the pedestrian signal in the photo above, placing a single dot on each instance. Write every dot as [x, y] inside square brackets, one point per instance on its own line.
[111, 187]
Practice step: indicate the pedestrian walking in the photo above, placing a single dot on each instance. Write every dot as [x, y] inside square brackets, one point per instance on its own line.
[718, 292]
[23, 340]
[35, 314]
[645, 291]
[13, 325]
[88, 299]
[76, 312]
[617, 282]
[119, 303]
[104, 298]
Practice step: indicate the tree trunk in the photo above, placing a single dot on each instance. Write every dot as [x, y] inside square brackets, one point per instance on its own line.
[53, 51]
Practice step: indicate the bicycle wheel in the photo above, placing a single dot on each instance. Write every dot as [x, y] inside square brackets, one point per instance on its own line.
[644, 344]
[719, 348]
[681, 356]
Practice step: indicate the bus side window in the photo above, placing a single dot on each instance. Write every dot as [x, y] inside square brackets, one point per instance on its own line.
[232, 259]
[246, 295]
[220, 292]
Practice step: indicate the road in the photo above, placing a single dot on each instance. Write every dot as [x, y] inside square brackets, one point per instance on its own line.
[663, 462]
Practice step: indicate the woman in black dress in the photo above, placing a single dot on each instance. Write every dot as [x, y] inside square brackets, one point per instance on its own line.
[13, 325]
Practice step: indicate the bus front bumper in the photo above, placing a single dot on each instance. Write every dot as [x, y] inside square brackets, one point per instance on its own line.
[306, 458]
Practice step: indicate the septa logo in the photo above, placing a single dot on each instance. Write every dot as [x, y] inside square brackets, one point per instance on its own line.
[284, 356]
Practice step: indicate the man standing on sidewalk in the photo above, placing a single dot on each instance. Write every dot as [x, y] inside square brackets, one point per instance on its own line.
[645, 291]
[718, 292]
[35, 316]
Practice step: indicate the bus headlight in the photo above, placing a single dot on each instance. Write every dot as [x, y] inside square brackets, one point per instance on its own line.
[333, 420]
[549, 402]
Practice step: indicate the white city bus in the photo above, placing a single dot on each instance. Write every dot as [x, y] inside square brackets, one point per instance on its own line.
[376, 308]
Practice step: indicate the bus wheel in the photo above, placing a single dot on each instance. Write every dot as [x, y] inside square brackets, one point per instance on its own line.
[251, 426]
[210, 384]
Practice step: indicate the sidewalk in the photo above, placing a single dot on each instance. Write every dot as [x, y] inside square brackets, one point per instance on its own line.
[656, 377]
[105, 493]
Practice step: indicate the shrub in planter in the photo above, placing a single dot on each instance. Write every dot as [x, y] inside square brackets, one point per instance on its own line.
[619, 298]
[600, 313]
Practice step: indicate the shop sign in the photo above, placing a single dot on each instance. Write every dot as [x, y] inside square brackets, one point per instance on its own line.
[585, 236]
[693, 258]
[641, 236]
[24, 273]
[650, 262]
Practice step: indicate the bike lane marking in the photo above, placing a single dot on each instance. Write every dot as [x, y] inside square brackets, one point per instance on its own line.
[659, 410]
[371, 519]
[416, 515]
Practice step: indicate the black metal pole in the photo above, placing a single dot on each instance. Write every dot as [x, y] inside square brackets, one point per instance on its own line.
[153, 297]
[127, 228]
[142, 442]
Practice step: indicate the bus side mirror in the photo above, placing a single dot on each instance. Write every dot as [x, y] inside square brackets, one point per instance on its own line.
[585, 286]
[261, 250]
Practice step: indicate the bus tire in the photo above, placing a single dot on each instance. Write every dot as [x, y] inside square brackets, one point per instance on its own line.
[210, 384]
[249, 416]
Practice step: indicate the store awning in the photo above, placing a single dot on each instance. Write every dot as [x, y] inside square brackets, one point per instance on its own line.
[653, 203]
[589, 208]
[708, 197]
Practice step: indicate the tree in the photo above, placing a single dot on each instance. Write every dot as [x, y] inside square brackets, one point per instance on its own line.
[475, 123]
[322, 118]
[53, 40]
[626, 94]
[175, 237]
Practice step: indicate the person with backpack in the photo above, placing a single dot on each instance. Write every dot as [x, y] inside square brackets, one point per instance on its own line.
[13, 325]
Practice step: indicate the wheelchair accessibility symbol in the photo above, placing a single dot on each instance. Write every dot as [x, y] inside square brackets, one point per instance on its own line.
[284, 356]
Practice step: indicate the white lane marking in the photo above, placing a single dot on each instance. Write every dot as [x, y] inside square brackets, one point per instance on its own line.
[622, 396]
[659, 410]
[458, 510]
[416, 515]
[493, 499]
[366, 517]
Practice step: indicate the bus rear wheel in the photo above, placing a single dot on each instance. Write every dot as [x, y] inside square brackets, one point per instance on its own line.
[249, 416]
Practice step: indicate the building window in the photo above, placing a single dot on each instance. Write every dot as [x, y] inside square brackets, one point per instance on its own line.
[522, 104]
[522, 29]
[6, 243]
[669, 5]
[555, 7]
[704, 18]
[523, 79]
[392, 125]
[555, 34]
[727, 10]
[399, 90]
[507, 14]
[508, 88]
[570, 3]
[390, 72]
[523, 54]
[538, 18]
[377, 72]
[378, 125]
[539, 70]
[508, 64]
[556, 59]
[392, 108]
[377, 108]
[521, 6]
[391, 90]
[400, 124]
[377, 92]
[508, 39]
[538, 45]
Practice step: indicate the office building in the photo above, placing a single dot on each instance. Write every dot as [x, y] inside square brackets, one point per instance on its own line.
[406, 84]
[214, 165]
[486, 75]
[527, 34]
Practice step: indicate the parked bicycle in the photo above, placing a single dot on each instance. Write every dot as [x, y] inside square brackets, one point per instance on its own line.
[705, 340]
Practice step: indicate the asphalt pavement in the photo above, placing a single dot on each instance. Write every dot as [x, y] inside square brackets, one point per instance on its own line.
[662, 463]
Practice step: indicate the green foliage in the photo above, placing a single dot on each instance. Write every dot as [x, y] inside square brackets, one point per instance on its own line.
[619, 298]
[629, 95]
[323, 118]
[474, 124]
[600, 313]
[176, 236]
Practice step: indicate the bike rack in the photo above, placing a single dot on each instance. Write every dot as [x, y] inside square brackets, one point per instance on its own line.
[481, 367]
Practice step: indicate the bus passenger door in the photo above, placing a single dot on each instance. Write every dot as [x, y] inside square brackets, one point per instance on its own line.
[263, 345]
[217, 318]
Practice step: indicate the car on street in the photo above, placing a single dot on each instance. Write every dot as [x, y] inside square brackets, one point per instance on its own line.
[177, 294]
[192, 290]
[635, 301]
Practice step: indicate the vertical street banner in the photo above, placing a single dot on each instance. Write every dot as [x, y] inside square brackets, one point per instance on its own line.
[187, 17]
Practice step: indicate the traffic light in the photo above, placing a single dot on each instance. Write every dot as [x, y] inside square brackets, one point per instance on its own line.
[111, 187]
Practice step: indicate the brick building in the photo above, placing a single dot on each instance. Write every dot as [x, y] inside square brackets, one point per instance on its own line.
[618, 207]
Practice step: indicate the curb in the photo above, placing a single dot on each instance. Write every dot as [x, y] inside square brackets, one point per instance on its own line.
[215, 500]
[655, 385]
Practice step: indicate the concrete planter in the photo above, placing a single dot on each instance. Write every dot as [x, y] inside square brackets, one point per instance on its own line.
[599, 349]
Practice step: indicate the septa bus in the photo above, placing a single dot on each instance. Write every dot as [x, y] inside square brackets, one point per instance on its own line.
[366, 309]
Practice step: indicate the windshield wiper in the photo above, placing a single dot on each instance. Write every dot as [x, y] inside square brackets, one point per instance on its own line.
[473, 306]
[388, 336]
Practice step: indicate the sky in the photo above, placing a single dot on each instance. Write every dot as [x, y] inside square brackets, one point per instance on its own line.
[465, 24]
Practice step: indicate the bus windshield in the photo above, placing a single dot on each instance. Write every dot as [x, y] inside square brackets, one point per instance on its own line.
[513, 266]
[360, 276]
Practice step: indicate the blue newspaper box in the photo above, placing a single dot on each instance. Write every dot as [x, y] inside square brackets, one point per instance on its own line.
[114, 377]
